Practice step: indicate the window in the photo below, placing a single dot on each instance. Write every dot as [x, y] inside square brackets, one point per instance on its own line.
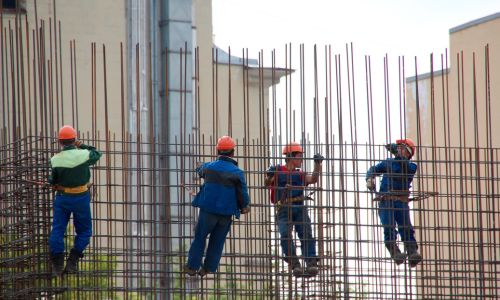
[9, 4]
[13, 6]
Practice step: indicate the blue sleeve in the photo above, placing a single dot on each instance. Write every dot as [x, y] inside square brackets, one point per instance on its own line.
[244, 190]
[377, 169]
[413, 170]
[201, 171]
[270, 171]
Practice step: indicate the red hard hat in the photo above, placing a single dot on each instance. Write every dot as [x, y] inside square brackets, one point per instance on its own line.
[408, 142]
[225, 143]
[67, 133]
[292, 147]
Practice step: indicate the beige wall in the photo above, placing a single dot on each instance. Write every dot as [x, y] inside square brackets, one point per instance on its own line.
[102, 22]
[448, 105]
[86, 22]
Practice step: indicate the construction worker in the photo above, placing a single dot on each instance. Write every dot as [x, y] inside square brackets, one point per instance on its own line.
[288, 183]
[223, 194]
[397, 175]
[70, 177]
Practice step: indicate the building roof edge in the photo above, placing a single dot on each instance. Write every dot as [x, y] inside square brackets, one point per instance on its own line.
[475, 22]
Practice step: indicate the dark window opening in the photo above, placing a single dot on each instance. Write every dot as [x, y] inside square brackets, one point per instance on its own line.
[9, 4]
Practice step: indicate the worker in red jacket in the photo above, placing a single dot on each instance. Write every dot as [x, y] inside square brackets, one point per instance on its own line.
[288, 182]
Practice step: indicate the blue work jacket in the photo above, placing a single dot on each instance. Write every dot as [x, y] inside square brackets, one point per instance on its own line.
[225, 190]
[397, 174]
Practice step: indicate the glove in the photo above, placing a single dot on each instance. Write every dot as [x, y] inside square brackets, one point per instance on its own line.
[318, 158]
[245, 210]
[370, 184]
[270, 172]
[78, 143]
[392, 148]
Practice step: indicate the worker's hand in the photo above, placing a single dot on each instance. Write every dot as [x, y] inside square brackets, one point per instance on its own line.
[78, 143]
[318, 158]
[370, 184]
[392, 148]
[270, 171]
[245, 210]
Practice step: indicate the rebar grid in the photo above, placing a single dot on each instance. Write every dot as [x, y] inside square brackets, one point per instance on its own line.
[123, 262]
[142, 187]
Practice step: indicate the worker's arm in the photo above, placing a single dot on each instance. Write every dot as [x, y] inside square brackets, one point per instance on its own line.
[94, 155]
[53, 176]
[372, 173]
[376, 170]
[270, 176]
[314, 177]
[245, 198]
[200, 170]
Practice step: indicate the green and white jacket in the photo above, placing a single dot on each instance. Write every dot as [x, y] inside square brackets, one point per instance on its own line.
[70, 167]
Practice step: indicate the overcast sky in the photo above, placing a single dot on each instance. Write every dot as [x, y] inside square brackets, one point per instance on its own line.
[397, 27]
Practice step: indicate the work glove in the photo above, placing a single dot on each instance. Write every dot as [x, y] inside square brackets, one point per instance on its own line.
[245, 210]
[392, 148]
[370, 184]
[318, 158]
[270, 172]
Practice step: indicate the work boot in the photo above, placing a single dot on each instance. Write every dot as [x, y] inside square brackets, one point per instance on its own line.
[396, 254]
[414, 258]
[72, 262]
[295, 267]
[189, 271]
[57, 262]
[312, 267]
[203, 272]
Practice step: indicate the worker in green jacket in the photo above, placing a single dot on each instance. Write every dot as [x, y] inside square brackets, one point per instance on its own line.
[70, 175]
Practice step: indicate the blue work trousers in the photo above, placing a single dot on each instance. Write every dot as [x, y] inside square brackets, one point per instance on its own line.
[295, 216]
[392, 213]
[64, 206]
[217, 226]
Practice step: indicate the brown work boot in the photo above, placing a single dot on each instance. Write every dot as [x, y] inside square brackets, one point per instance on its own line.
[414, 258]
[203, 272]
[72, 262]
[396, 254]
[312, 267]
[189, 271]
[57, 262]
[295, 267]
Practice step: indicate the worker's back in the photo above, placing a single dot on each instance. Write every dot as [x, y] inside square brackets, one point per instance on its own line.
[224, 189]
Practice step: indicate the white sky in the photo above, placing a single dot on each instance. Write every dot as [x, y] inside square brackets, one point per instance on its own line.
[397, 27]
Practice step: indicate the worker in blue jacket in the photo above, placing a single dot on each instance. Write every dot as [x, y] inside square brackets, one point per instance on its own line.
[223, 194]
[397, 176]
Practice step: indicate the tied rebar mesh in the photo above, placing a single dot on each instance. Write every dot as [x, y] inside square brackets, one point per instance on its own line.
[143, 185]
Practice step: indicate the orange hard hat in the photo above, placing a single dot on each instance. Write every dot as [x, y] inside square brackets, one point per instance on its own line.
[292, 147]
[408, 142]
[225, 143]
[67, 133]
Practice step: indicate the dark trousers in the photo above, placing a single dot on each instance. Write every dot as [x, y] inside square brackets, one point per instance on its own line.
[217, 226]
[394, 213]
[295, 216]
